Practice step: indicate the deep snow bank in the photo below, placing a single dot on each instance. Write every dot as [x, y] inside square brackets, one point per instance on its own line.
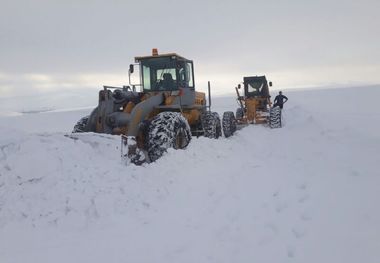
[305, 193]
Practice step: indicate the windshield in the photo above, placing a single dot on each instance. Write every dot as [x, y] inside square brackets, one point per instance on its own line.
[160, 74]
[255, 87]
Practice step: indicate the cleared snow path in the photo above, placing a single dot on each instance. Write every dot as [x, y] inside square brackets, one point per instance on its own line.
[305, 193]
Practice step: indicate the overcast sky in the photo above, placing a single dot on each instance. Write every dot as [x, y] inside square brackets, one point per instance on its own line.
[50, 46]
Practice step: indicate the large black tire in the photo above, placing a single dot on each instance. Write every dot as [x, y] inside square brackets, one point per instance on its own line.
[167, 130]
[211, 125]
[229, 124]
[275, 117]
[239, 113]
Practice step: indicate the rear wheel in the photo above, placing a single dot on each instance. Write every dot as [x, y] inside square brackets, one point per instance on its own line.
[167, 130]
[275, 117]
[229, 123]
[211, 125]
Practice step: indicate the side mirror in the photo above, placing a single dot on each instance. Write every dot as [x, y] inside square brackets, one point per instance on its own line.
[131, 68]
[270, 84]
[239, 86]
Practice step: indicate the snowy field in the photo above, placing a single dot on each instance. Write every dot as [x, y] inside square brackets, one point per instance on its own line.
[308, 192]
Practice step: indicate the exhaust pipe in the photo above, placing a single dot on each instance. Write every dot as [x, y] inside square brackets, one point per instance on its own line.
[209, 95]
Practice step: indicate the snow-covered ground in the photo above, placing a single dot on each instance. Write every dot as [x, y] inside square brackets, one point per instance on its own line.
[308, 192]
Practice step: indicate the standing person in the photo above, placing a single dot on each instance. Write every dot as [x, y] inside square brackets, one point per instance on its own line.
[279, 100]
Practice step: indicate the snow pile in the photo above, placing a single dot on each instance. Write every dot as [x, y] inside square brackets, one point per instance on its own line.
[305, 193]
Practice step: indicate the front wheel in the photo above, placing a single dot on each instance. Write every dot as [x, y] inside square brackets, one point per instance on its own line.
[167, 130]
[275, 117]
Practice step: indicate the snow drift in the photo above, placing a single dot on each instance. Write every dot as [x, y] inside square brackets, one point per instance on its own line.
[305, 193]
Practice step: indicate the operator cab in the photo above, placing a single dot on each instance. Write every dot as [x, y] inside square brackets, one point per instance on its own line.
[256, 87]
[165, 72]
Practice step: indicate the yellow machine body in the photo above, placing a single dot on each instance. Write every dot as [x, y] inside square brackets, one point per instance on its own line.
[255, 104]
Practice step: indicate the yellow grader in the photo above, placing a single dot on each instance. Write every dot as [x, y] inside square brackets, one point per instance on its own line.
[164, 113]
[255, 107]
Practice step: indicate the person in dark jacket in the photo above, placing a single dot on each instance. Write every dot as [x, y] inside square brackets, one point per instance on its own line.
[280, 100]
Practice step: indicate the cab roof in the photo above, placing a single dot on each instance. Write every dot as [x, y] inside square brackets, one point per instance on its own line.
[138, 59]
[255, 79]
